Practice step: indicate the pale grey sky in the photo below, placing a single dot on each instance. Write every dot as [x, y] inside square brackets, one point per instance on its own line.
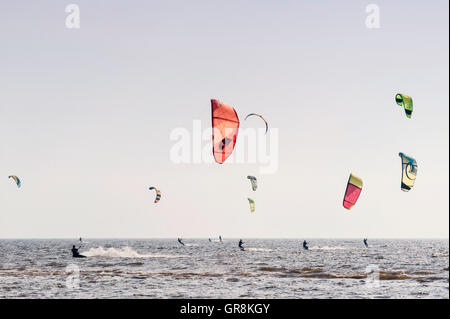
[86, 115]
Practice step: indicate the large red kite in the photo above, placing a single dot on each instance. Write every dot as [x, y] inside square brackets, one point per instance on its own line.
[225, 125]
[354, 187]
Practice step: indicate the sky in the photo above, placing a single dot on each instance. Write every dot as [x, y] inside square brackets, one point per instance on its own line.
[86, 116]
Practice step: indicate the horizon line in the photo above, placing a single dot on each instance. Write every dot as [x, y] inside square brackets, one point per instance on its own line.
[293, 238]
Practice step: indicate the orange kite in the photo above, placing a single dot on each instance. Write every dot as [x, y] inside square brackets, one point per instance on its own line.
[225, 125]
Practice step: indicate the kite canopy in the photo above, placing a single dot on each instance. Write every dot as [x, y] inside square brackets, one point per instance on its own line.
[225, 124]
[260, 116]
[409, 172]
[16, 179]
[158, 194]
[252, 204]
[253, 180]
[354, 187]
[406, 102]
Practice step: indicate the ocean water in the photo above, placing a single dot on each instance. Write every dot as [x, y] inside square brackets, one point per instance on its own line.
[268, 268]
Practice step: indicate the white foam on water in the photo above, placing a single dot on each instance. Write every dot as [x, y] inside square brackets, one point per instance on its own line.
[125, 252]
[191, 245]
[327, 248]
[258, 249]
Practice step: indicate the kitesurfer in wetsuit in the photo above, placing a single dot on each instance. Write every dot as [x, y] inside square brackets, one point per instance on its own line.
[75, 252]
[220, 238]
[240, 244]
[209, 239]
[179, 240]
[365, 242]
[305, 245]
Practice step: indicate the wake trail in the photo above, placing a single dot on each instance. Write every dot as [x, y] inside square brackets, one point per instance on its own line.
[125, 252]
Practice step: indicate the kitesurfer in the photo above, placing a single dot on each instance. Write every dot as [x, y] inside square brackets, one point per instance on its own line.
[209, 239]
[240, 244]
[179, 240]
[305, 245]
[75, 252]
[365, 242]
[220, 238]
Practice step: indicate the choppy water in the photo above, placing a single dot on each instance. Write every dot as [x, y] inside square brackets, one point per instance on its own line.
[269, 268]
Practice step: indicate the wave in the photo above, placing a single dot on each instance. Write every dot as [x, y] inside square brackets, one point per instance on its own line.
[327, 248]
[308, 272]
[272, 268]
[395, 275]
[188, 274]
[258, 249]
[191, 245]
[382, 275]
[305, 272]
[436, 255]
[125, 252]
[311, 272]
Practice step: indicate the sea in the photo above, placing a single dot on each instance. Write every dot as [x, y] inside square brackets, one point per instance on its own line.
[267, 268]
